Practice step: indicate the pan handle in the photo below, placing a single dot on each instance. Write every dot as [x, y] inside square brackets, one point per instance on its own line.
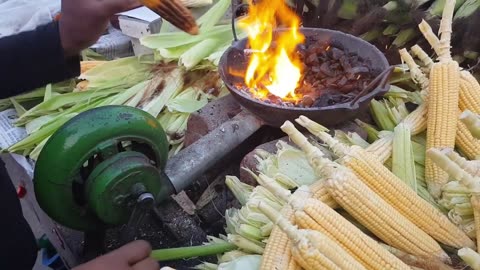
[234, 11]
[381, 80]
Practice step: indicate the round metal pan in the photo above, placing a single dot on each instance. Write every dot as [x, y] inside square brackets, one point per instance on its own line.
[275, 115]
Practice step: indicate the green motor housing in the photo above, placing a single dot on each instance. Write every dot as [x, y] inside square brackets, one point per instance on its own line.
[93, 168]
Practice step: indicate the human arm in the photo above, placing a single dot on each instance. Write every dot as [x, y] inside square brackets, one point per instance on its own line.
[50, 53]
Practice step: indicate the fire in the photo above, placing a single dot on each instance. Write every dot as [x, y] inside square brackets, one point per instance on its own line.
[274, 65]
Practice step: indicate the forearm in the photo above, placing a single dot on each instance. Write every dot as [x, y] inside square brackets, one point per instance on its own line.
[32, 59]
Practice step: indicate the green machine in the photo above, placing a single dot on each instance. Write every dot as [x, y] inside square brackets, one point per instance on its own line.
[105, 167]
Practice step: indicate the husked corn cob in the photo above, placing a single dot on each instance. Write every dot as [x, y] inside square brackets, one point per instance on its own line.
[469, 92]
[174, 12]
[442, 118]
[315, 215]
[404, 199]
[442, 102]
[312, 249]
[277, 253]
[382, 148]
[380, 217]
[393, 190]
[465, 141]
[417, 120]
[472, 122]
[319, 191]
[469, 96]
[355, 197]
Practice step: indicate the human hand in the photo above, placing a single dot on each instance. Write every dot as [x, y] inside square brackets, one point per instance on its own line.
[82, 22]
[133, 256]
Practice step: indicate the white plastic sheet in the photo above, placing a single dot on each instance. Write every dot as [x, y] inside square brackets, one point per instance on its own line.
[23, 15]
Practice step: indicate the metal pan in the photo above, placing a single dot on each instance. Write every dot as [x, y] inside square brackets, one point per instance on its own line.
[275, 115]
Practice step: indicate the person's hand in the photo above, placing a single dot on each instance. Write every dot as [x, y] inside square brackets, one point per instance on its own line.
[82, 22]
[133, 256]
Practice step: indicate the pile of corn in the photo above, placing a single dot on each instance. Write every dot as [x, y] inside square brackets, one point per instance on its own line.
[408, 198]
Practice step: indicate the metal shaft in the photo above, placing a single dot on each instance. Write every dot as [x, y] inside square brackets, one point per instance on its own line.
[194, 160]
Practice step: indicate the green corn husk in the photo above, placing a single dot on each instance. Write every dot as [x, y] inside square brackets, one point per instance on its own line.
[467, 9]
[380, 115]
[372, 132]
[404, 36]
[371, 35]
[391, 30]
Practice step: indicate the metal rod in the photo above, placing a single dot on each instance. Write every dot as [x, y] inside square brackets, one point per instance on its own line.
[183, 168]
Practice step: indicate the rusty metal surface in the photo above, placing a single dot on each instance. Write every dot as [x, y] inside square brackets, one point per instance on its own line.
[275, 115]
[194, 160]
[210, 117]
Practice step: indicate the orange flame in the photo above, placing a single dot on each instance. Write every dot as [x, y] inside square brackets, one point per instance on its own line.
[274, 65]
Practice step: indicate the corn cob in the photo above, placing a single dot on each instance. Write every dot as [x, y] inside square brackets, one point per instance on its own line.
[442, 102]
[390, 188]
[315, 215]
[354, 196]
[465, 140]
[382, 148]
[312, 249]
[472, 122]
[469, 92]
[469, 96]
[277, 253]
[319, 191]
[310, 213]
[381, 218]
[174, 12]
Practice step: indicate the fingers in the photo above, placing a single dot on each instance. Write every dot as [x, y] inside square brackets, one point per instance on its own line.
[134, 252]
[147, 264]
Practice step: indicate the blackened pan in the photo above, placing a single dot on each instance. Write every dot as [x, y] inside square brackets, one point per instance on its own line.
[275, 115]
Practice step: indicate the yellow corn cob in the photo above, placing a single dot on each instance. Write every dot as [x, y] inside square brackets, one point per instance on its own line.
[464, 140]
[472, 122]
[319, 191]
[393, 190]
[469, 96]
[442, 118]
[390, 188]
[382, 148]
[469, 92]
[312, 249]
[365, 205]
[475, 201]
[277, 254]
[380, 217]
[315, 215]
[417, 120]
